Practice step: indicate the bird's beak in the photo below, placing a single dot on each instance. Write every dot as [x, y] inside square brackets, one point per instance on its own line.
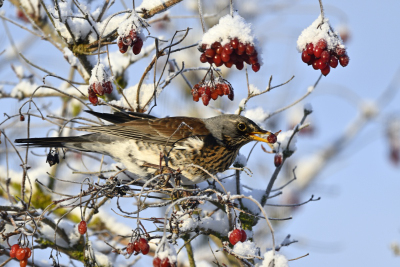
[254, 137]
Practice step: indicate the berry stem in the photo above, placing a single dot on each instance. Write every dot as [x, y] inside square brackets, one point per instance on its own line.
[322, 13]
[231, 7]
[201, 15]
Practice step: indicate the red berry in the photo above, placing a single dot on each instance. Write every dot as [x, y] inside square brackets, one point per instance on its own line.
[82, 227]
[13, 250]
[278, 160]
[325, 71]
[250, 49]
[256, 67]
[235, 43]
[228, 49]
[340, 51]
[203, 58]
[201, 90]
[239, 65]
[136, 247]
[344, 60]
[322, 44]
[20, 254]
[156, 262]
[241, 48]
[108, 87]
[246, 59]
[312, 60]
[21, 118]
[228, 64]
[93, 98]
[310, 49]
[253, 59]
[235, 236]
[210, 53]
[225, 57]
[325, 56]
[244, 236]
[215, 45]
[123, 48]
[130, 248]
[23, 263]
[217, 60]
[219, 50]
[98, 88]
[315, 65]
[146, 249]
[219, 90]
[272, 138]
[214, 95]
[207, 91]
[317, 51]
[321, 64]
[333, 62]
[206, 99]
[165, 263]
[231, 95]
[305, 57]
[142, 243]
[196, 97]
[28, 253]
[137, 46]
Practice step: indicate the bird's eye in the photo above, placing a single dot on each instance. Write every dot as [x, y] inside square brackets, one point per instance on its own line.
[242, 127]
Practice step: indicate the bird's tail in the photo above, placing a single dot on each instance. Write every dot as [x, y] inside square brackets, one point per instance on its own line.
[70, 141]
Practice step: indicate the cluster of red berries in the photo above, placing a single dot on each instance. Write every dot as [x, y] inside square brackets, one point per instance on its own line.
[157, 262]
[237, 235]
[212, 90]
[234, 52]
[140, 245]
[323, 59]
[130, 40]
[99, 88]
[22, 254]
[82, 227]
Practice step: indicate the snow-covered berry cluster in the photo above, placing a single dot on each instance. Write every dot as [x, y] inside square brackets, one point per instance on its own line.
[131, 35]
[130, 40]
[237, 235]
[99, 84]
[212, 89]
[229, 43]
[165, 258]
[140, 245]
[157, 262]
[21, 253]
[321, 47]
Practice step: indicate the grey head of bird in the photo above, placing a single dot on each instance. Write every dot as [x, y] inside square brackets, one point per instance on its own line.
[234, 131]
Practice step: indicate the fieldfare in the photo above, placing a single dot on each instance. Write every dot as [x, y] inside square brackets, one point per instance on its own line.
[137, 140]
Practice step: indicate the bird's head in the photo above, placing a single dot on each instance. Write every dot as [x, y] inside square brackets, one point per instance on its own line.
[234, 131]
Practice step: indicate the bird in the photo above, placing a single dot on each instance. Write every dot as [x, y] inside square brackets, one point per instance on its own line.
[137, 140]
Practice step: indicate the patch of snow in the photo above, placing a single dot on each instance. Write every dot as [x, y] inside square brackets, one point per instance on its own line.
[279, 260]
[246, 248]
[317, 31]
[240, 161]
[258, 115]
[283, 140]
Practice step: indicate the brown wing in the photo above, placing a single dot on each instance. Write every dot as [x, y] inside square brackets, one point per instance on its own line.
[160, 131]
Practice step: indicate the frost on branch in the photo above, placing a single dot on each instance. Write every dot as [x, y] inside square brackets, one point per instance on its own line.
[278, 260]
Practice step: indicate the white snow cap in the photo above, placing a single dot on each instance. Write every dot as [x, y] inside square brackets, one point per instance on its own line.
[168, 252]
[283, 140]
[240, 161]
[314, 33]
[279, 260]
[308, 107]
[228, 28]
[98, 74]
[132, 23]
[246, 248]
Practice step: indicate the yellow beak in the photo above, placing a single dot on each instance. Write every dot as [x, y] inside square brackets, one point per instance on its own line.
[259, 139]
